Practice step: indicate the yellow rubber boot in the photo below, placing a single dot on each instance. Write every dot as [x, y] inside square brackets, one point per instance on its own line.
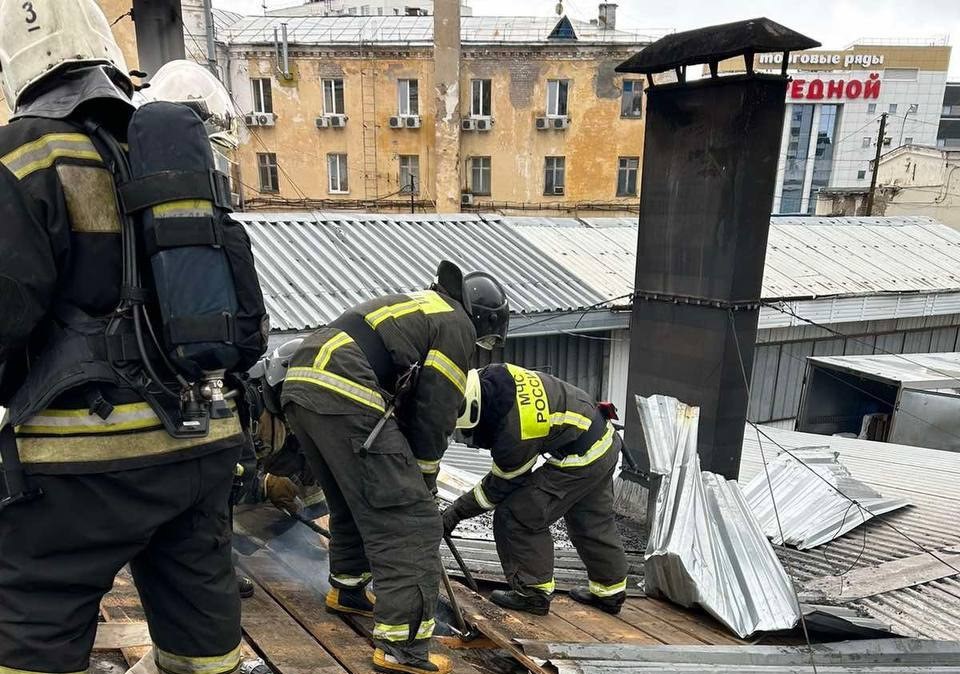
[438, 664]
[355, 602]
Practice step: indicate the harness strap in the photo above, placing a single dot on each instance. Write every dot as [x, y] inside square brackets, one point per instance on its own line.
[165, 186]
[15, 481]
[598, 427]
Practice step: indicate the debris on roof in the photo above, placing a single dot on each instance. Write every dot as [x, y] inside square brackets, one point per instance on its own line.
[817, 500]
[705, 546]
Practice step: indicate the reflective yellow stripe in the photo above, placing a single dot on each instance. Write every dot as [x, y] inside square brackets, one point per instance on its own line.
[11, 670]
[93, 448]
[608, 590]
[326, 351]
[337, 384]
[532, 403]
[481, 497]
[186, 208]
[387, 632]
[44, 151]
[510, 474]
[439, 362]
[352, 581]
[597, 450]
[547, 587]
[182, 664]
[429, 467]
[570, 419]
[425, 301]
[136, 416]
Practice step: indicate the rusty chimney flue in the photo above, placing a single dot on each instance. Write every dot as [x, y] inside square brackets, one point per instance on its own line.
[608, 16]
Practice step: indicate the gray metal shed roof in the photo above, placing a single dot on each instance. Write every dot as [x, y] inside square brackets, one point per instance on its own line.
[316, 30]
[921, 370]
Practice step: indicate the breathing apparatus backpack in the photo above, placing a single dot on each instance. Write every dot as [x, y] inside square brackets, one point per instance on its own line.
[199, 283]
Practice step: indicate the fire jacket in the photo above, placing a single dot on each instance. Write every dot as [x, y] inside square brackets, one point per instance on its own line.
[537, 415]
[334, 374]
[60, 264]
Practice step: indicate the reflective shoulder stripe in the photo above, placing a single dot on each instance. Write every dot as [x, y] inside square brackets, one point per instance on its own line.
[187, 208]
[430, 302]
[425, 301]
[183, 664]
[547, 587]
[44, 151]
[596, 451]
[608, 590]
[510, 474]
[11, 670]
[481, 497]
[341, 385]
[439, 362]
[532, 404]
[326, 351]
[429, 467]
[570, 419]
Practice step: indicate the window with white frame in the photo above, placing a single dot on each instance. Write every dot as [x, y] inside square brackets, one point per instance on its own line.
[408, 95]
[269, 172]
[871, 108]
[333, 96]
[480, 103]
[632, 103]
[627, 176]
[557, 91]
[554, 178]
[337, 173]
[409, 174]
[480, 176]
[262, 95]
[866, 141]
[893, 108]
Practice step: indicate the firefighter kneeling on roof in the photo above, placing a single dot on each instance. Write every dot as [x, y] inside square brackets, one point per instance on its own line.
[374, 434]
[127, 297]
[519, 415]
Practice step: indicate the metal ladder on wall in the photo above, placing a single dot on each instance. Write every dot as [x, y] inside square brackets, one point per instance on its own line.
[368, 104]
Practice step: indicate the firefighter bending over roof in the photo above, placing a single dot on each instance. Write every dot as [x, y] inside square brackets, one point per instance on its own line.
[340, 386]
[105, 461]
[519, 415]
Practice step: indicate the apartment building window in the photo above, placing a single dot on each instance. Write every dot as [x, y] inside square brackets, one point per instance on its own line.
[871, 108]
[908, 140]
[269, 172]
[632, 103]
[867, 141]
[262, 95]
[627, 176]
[480, 176]
[861, 175]
[333, 96]
[410, 173]
[408, 93]
[480, 104]
[337, 173]
[554, 178]
[893, 108]
[557, 91]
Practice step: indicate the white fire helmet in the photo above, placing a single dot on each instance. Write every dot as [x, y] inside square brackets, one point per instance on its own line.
[194, 85]
[473, 398]
[39, 37]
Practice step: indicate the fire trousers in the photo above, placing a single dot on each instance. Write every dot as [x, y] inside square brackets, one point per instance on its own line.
[59, 555]
[384, 522]
[583, 497]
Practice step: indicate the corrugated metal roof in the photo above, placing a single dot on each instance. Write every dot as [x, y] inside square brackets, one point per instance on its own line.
[312, 266]
[317, 30]
[924, 370]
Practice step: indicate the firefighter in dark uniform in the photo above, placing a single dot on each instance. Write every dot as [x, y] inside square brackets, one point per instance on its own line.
[383, 518]
[92, 481]
[520, 415]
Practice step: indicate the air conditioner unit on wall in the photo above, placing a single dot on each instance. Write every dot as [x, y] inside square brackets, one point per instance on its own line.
[338, 121]
[468, 124]
[265, 119]
[484, 124]
[466, 199]
[396, 123]
[557, 190]
[250, 120]
[323, 122]
[561, 122]
[542, 123]
[412, 122]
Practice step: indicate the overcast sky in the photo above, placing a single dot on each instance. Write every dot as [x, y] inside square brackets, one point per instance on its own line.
[835, 24]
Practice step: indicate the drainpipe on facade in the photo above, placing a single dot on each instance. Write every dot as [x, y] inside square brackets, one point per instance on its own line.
[446, 77]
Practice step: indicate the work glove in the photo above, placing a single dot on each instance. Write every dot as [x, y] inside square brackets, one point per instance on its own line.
[282, 492]
[431, 480]
[450, 520]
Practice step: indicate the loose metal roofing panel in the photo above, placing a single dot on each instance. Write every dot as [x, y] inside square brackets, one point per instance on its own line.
[314, 265]
[316, 30]
[924, 370]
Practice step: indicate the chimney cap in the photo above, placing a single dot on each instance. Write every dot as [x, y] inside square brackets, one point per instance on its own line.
[716, 43]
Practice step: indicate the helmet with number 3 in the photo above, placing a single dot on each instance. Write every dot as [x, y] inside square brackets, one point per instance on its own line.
[40, 37]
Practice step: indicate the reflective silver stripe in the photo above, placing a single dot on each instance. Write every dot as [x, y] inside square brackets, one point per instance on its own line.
[510, 474]
[481, 497]
[570, 419]
[135, 416]
[608, 590]
[182, 664]
[338, 384]
[598, 449]
[352, 581]
[428, 467]
[11, 670]
[439, 362]
[44, 151]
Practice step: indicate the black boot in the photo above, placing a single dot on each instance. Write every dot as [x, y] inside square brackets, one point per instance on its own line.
[611, 604]
[245, 587]
[535, 602]
[357, 601]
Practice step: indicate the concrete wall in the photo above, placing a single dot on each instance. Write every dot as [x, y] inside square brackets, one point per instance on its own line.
[922, 181]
